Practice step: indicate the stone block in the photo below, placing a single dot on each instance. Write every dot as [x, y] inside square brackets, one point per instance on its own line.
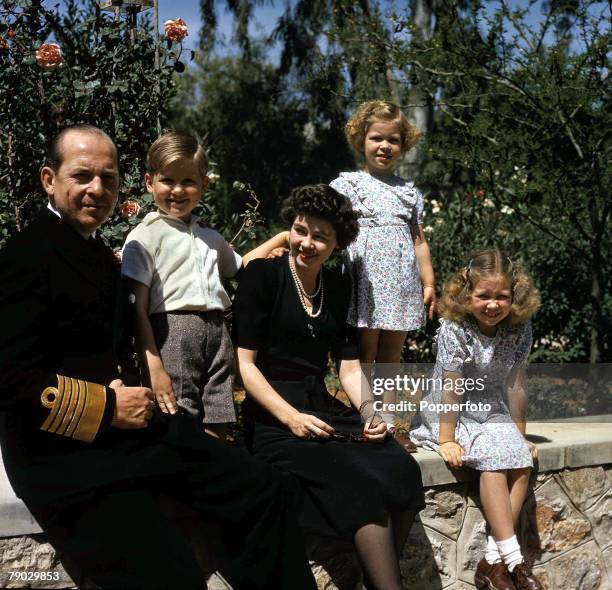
[334, 566]
[607, 559]
[528, 535]
[29, 555]
[584, 486]
[598, 452]
[600, 516]
[471, 544]
[551, 457]
[459, 585]
[445, 509]
[334, 578]
[436, 472]
[541, 479]
[579, 569]
[429, 560]
[542, 574]
[473, 494]
[556, 526]
[217, 582]
[15, 518]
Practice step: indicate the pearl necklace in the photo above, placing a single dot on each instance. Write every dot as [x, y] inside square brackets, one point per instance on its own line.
[302, 293]
[299, 283]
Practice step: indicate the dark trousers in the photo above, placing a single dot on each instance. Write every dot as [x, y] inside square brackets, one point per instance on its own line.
[120, 537]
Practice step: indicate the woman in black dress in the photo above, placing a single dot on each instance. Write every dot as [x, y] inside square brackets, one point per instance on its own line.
[289, 315]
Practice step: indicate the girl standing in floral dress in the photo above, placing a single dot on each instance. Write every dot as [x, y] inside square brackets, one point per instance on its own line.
[390, 263]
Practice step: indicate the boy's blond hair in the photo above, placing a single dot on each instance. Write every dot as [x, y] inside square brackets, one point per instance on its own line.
[455, 303]
[379, 110]
[172, 146]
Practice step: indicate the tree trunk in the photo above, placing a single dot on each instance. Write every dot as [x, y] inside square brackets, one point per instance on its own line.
[421, 109]
[599, 395]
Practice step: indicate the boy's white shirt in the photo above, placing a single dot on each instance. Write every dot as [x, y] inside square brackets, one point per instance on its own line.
[181, 263]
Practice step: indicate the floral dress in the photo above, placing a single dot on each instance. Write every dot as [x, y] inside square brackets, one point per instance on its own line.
[387, 291]
[485, 430]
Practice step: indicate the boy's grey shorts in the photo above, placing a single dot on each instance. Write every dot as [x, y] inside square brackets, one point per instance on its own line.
[197, 353]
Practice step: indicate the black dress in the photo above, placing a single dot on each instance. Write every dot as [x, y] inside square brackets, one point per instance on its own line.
[347, 484]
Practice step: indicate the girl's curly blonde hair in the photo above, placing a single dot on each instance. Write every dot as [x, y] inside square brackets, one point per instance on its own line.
[455, 302]
[379, 110]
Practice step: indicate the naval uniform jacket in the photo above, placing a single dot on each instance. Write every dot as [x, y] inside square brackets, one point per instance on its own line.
[60, 337]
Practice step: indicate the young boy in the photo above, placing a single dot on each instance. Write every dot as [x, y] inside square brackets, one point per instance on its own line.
[174, 265]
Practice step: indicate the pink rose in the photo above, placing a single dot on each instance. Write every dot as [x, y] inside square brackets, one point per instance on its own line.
[49, 56]
[175, 30]
[130, 208]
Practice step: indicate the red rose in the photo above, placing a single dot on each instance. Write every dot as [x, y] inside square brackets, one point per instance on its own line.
[480, 193]
[130, 208]
[175, 30]
[11, 33]
[49, 56]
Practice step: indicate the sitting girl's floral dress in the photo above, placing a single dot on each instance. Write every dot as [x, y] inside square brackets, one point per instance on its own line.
[485, 428]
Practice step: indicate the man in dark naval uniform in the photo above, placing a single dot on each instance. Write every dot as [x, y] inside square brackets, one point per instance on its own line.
[89, 455]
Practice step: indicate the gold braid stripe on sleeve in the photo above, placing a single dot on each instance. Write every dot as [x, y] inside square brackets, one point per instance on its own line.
[77, 408]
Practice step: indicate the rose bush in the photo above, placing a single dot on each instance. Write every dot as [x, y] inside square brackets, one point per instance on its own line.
[130, 209]
[175, 30]
[108, 79]
[49, 56]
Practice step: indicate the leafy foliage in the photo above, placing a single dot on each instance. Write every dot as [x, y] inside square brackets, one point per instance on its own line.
[258, 132]
[521, 120]
[516, 112]
[108, 78]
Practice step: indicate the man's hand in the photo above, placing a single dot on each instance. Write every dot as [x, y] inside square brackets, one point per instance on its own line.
[134, 406]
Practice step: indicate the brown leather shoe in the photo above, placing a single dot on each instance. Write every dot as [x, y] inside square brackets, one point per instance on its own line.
[493, 576]
[523, 578]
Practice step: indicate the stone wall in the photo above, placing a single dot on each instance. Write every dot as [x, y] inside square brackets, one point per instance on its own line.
[566, 525]
[566, 532]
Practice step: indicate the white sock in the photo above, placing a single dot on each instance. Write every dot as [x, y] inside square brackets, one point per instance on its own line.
[510, 552]
[492, 552]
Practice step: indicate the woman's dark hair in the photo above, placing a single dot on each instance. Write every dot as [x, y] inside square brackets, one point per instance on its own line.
[321, 200]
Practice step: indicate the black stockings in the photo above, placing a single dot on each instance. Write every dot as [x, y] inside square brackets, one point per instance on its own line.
[375, 548]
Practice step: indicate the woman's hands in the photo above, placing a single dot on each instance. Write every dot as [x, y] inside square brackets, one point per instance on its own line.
[452, 452]
[308, 426]
[161, 384]
[376, 433]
